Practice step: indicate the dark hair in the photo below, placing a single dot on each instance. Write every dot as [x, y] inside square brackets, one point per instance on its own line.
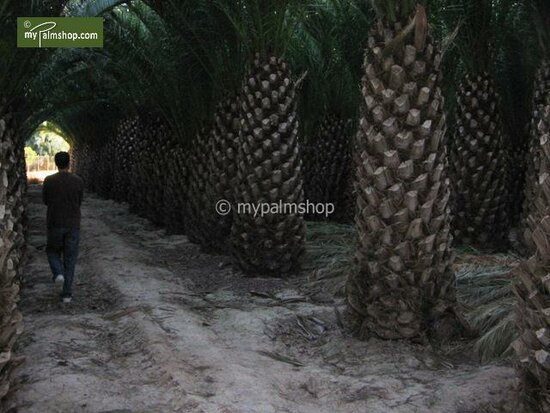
[62, 160]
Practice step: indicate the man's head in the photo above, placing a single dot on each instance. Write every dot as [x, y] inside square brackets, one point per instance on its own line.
[62, 160]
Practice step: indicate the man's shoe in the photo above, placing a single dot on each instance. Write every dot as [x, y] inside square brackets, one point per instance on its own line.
[59, 279]
[66, 300]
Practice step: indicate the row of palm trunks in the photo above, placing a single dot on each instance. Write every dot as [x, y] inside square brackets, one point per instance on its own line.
[172, 185]
[178, 186]
[146, 168]
[169, 183]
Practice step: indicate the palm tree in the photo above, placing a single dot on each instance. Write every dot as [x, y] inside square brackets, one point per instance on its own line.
[269, 163]
[533, 292]
[541, 98]
[403, 283]
[478, 150]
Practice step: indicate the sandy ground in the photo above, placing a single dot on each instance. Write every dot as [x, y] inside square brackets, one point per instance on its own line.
[158, 326]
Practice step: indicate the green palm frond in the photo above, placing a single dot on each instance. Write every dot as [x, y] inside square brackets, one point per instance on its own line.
[476, 33]
[89, 8]
[264, 26]
[515, 63]
[393, 11]
[329, 46]
[541, 16]
[18, 65]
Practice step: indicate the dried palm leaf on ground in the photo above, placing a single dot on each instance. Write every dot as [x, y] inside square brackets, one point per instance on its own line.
[485, 291]
[329, 254]
[484, 284]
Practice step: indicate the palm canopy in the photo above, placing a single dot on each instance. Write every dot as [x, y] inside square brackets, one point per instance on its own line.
[541, 17]
[143, 65]
[328, 45]
[394, 11]
[262, 26]
[180, 57]
[481, 26]
[19, 65]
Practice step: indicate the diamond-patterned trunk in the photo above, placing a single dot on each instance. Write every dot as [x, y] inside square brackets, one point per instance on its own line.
[12, 243]
[533, 290]
[269, 171]
[148, 183]
[124, 155]
[403, 282]
[333, 163]
[222, 165]
[478, 165]
[175, 194]
[541, 98]
[105, 170]
[212, 178]
[196, 226]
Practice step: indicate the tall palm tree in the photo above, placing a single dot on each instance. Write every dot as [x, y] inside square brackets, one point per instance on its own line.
[269, 163]
[403, 283]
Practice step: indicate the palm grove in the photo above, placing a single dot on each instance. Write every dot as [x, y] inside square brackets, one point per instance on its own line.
[425, 123]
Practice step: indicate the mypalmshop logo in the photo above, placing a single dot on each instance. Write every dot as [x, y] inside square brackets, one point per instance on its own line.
[59, 32]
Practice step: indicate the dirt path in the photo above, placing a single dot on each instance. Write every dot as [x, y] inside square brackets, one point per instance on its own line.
[158, 326]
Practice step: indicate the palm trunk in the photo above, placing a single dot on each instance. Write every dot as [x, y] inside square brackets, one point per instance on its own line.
[479, 166]
[124, 154]
[12, 242]
[540, 99]
[196, 224]
[176, 183]
[334, 163]
[533, 290]
[213, 174]
[222, 168]
[403, 285]
[269, 171]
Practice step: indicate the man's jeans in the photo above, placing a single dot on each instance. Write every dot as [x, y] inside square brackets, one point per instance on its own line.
[63, 242]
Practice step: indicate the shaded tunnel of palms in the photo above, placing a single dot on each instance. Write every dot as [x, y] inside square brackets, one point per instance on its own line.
[191, 101]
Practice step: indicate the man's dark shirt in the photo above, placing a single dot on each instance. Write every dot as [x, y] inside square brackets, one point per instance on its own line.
[62, 193]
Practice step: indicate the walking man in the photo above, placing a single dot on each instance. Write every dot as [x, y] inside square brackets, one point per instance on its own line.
[62, 193]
